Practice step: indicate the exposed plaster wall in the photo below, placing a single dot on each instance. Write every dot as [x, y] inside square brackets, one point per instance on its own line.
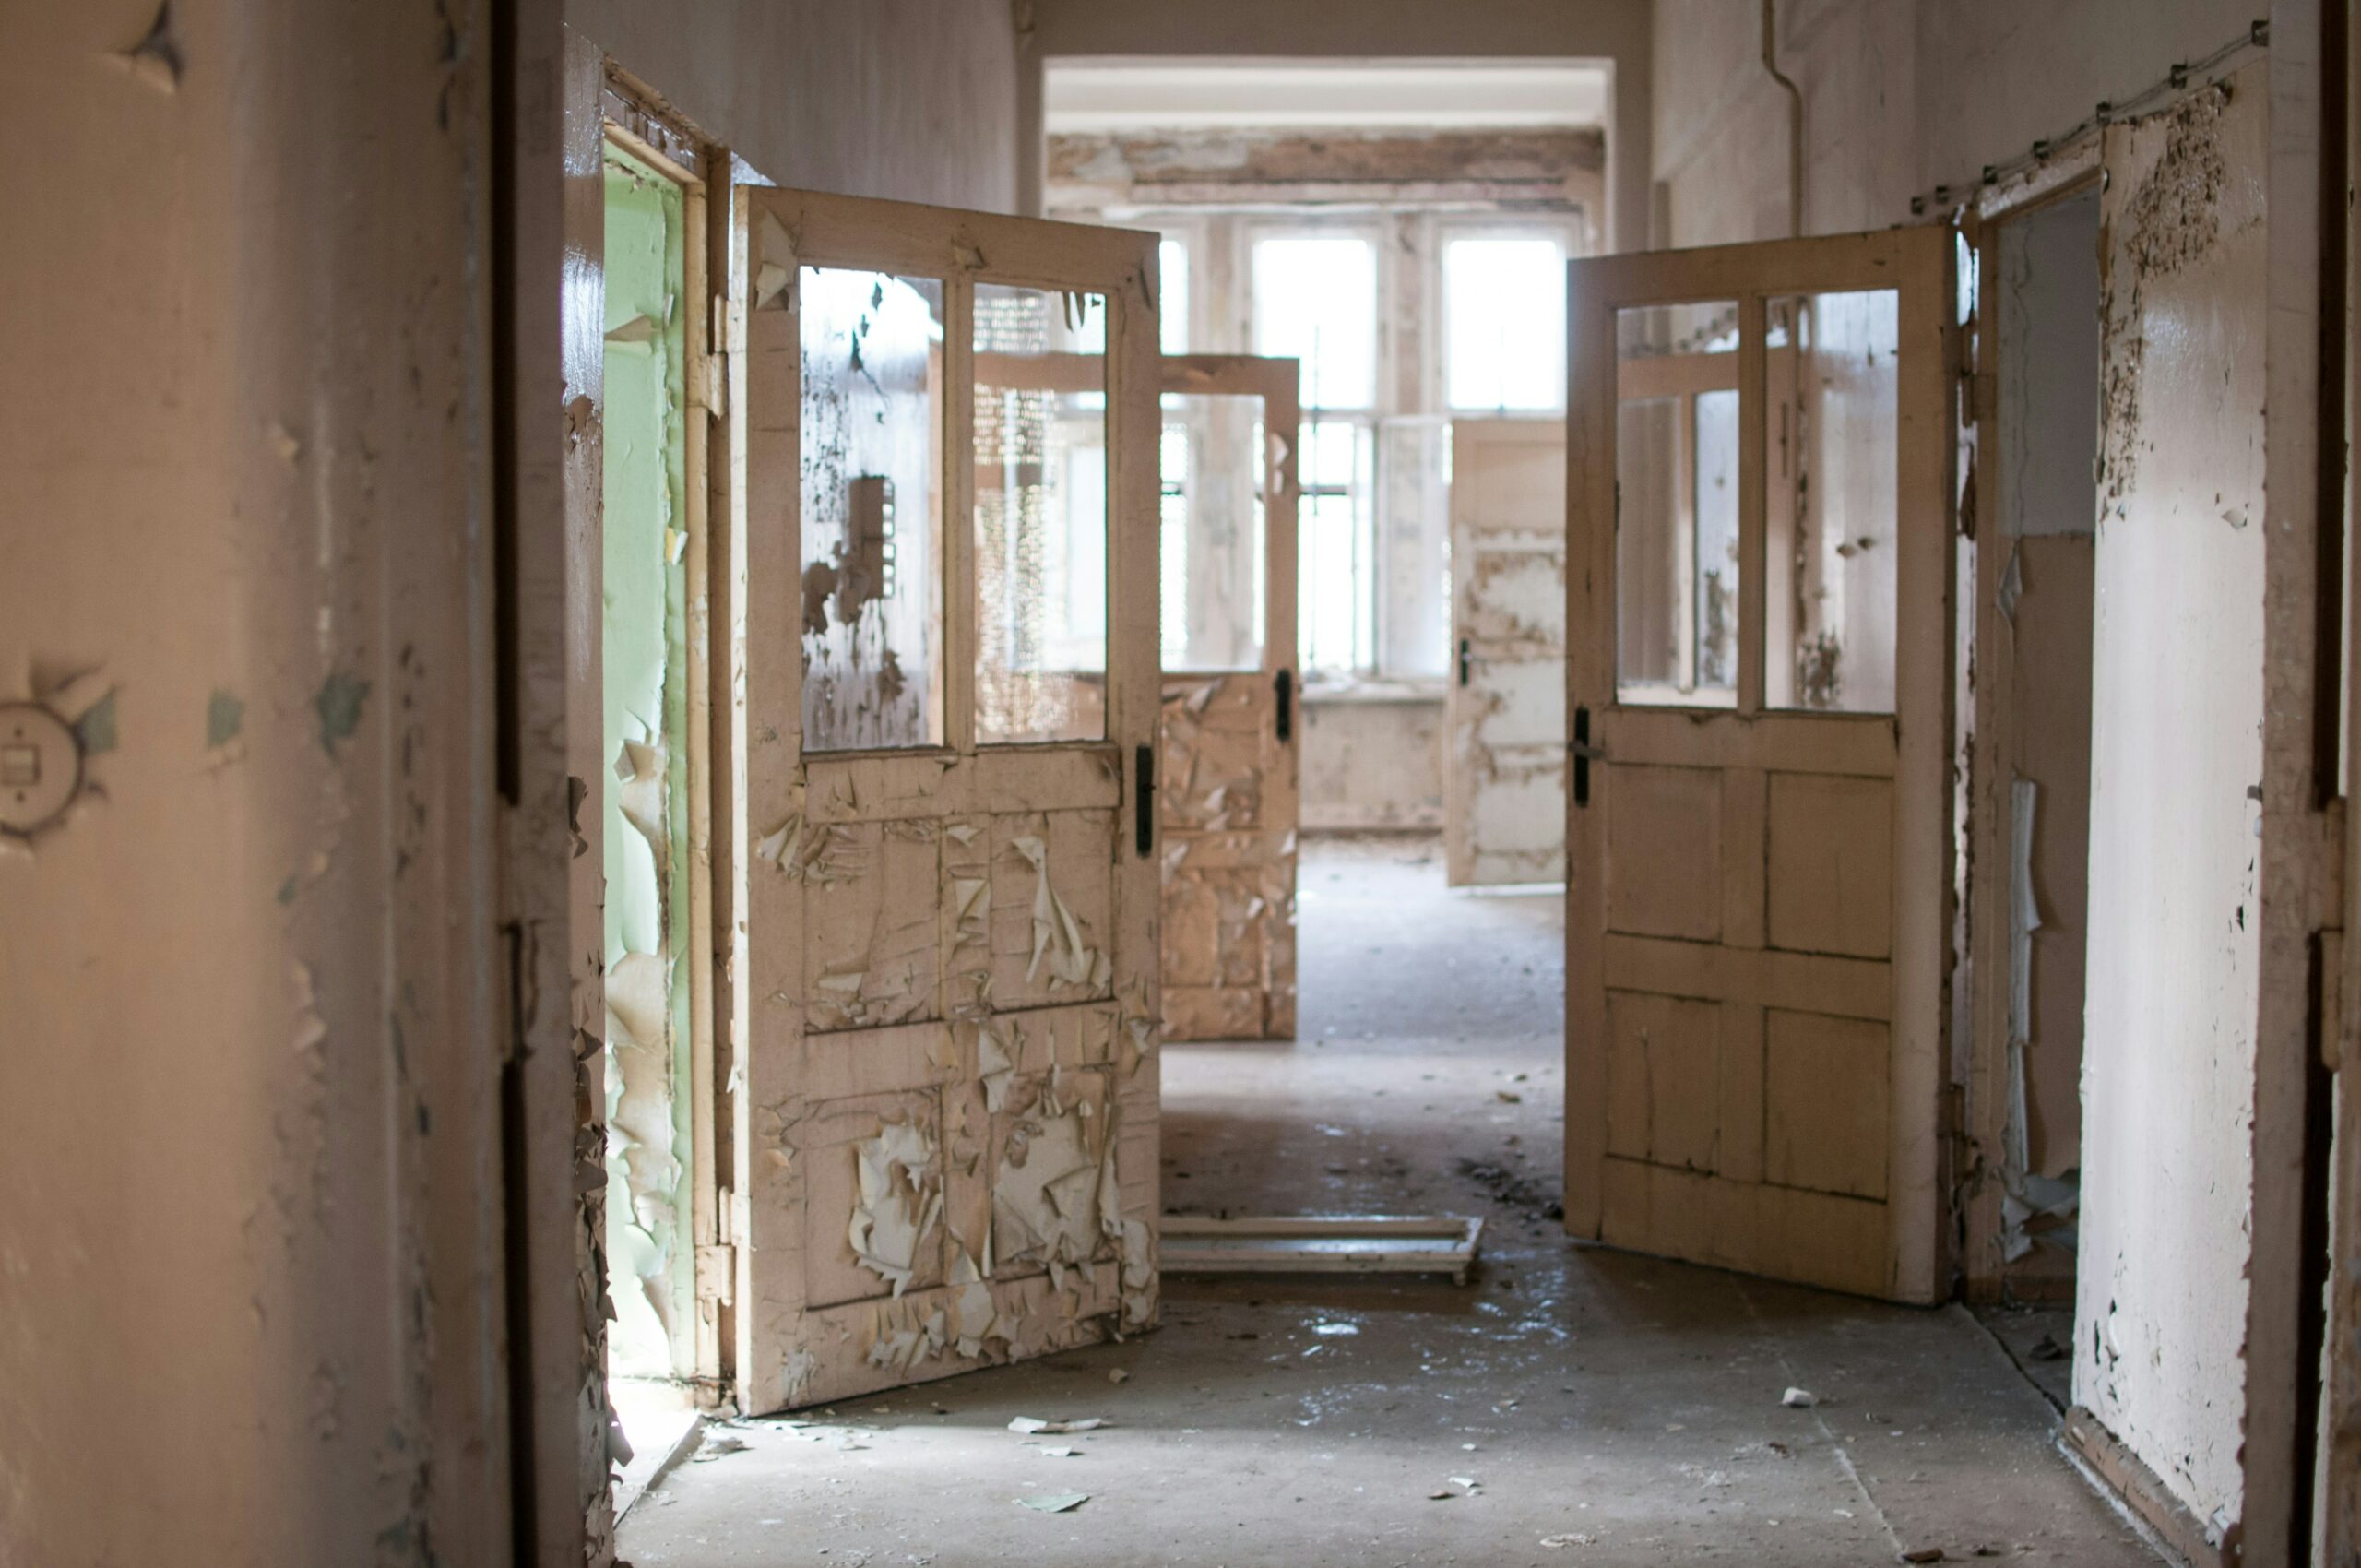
[1612, 30]
[912, 100]
[1372, 764]
[1530, 171]
[1899, 96]
[250, 1255]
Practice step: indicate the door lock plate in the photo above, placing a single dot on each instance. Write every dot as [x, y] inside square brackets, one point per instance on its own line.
[40, 768]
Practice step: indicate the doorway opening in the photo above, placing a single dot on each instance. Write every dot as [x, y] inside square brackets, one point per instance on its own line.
[2039, 303]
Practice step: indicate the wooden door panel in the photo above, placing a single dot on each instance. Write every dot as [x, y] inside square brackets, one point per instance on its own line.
[1666, 878]
[1758, 882]
[1831, 864]
[1052, 895]
[1824, 1103]
[1517, 700]
[1217, 737]
[873, 953]
[1661, 1051]
[1834, 1241]
[945, 1097]
[1504, 788]
[1229, 791]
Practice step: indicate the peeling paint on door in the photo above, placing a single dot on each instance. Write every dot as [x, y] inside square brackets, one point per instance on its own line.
[1505, 763]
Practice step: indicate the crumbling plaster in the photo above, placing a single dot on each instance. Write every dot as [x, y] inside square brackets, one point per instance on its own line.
[1615, 31]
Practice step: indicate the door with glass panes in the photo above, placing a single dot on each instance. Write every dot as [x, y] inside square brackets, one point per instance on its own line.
[1759, 815]
[1229, 790]
[943, 623]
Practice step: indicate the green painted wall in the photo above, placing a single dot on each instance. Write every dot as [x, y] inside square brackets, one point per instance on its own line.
[646, 828]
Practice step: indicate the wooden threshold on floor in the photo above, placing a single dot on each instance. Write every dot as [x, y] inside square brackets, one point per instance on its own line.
[1323, 1243]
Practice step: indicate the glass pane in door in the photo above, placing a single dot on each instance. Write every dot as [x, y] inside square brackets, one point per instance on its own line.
[1040, 467]
[1832, 373]
[1676, 478]
[872, 353]
[1214, 474]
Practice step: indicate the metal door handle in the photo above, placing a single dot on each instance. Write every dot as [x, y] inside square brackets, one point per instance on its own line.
[1463, 661]
[1283, 688]
[1583, 754]
[1144, 801]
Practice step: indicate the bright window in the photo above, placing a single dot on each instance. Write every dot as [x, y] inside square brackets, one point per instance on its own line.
[1173, 530]
[1336, 548]
[1315, 300]
[1504, 322]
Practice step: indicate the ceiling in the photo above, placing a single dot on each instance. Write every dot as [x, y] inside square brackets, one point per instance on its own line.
[1114, 95]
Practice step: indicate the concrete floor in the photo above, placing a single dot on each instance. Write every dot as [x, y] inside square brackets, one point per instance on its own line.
[1572, 1405]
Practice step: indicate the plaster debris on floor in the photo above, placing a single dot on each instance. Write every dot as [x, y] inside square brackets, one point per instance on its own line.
[1570, 1404]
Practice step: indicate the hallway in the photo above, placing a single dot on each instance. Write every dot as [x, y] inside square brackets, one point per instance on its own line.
[1607, 1409]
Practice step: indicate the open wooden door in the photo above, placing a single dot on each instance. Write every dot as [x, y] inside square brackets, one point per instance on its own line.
[1230, 786]
[1759, 907]
[1504, 773]
[943, 701]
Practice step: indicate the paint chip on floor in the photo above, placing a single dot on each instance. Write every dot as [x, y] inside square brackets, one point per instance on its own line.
[1032, 1426]
[1055, 1503]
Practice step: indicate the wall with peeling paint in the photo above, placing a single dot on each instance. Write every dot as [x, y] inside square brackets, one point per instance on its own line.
[1372, 761]
[1899, 96]
[2176, 691]
[249, 1258]
[1613, 32]
[644, 649]
[914, 99]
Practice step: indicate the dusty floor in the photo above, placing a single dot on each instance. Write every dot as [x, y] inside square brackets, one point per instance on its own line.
[1576, 1406]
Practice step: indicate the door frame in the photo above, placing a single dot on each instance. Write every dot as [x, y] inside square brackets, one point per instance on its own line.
[1992, 756]
[1915, 262]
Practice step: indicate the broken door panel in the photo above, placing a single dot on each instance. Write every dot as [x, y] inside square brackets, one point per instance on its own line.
[1758, 813]
[1504, 788]
[1229, 790]
[945, 1154]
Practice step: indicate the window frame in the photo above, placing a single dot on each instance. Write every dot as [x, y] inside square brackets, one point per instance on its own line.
[1369, 571]
[1566, 233]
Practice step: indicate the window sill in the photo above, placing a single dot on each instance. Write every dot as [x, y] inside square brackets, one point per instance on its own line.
[1347, 690]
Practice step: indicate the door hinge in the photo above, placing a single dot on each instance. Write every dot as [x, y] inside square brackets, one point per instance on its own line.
[1283, 690]
[717, 383]
[717, 1274]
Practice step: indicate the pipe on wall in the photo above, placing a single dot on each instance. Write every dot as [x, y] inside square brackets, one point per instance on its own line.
[1795, 119]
